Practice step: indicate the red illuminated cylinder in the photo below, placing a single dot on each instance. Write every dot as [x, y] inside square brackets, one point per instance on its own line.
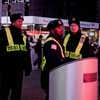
[77, 80]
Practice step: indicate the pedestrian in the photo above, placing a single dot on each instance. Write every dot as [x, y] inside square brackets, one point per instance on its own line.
[32, 41]
[14, 58]
[38, 50]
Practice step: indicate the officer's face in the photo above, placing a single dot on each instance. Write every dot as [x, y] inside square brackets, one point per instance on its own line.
[18, 23]
[74, 28]
[59, 30]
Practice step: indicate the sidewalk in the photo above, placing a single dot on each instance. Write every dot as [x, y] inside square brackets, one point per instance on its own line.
[31, 87]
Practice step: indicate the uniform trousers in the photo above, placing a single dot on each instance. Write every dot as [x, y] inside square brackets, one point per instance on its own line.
[11, 84]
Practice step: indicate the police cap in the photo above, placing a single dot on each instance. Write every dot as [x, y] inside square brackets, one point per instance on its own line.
[73, 20]
[16, 16]
[53, 24]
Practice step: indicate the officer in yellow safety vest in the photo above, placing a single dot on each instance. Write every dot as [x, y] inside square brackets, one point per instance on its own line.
[14, 58]
[76, 44]
[53, 54]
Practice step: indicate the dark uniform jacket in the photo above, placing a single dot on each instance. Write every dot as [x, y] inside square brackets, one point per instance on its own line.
[53, 56]
[15, 59]
[73, 43]
[52, 52]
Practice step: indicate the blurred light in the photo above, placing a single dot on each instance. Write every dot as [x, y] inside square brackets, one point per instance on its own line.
[92, 33]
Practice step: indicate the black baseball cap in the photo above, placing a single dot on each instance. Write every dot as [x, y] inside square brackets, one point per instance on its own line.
[74, 20]
[53, 24]
[16, 16]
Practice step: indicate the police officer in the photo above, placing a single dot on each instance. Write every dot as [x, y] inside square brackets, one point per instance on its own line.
[76, 45]
[14, 58]
[53, 54]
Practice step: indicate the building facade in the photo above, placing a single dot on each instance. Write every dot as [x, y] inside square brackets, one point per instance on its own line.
[87, 10]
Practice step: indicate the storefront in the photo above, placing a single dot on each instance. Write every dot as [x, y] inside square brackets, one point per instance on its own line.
[34, 25]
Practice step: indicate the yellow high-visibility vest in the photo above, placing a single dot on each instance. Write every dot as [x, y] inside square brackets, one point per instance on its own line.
[43, 63]
[44, 59]
[12, 46]
[76, 54]
[51, 38]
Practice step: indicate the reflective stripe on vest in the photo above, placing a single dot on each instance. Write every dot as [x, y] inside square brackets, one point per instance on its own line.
[43, 63]
[80, 45]
[66, 41]
[12, 46]
[44, 59]
[9, 37]
[51, 38]
[73, 55]
[76, 54]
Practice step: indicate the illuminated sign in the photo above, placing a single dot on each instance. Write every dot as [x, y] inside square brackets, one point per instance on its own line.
[45, 20]
[89, 77]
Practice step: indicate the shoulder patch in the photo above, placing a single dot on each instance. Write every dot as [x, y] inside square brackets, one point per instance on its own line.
[54, 46]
